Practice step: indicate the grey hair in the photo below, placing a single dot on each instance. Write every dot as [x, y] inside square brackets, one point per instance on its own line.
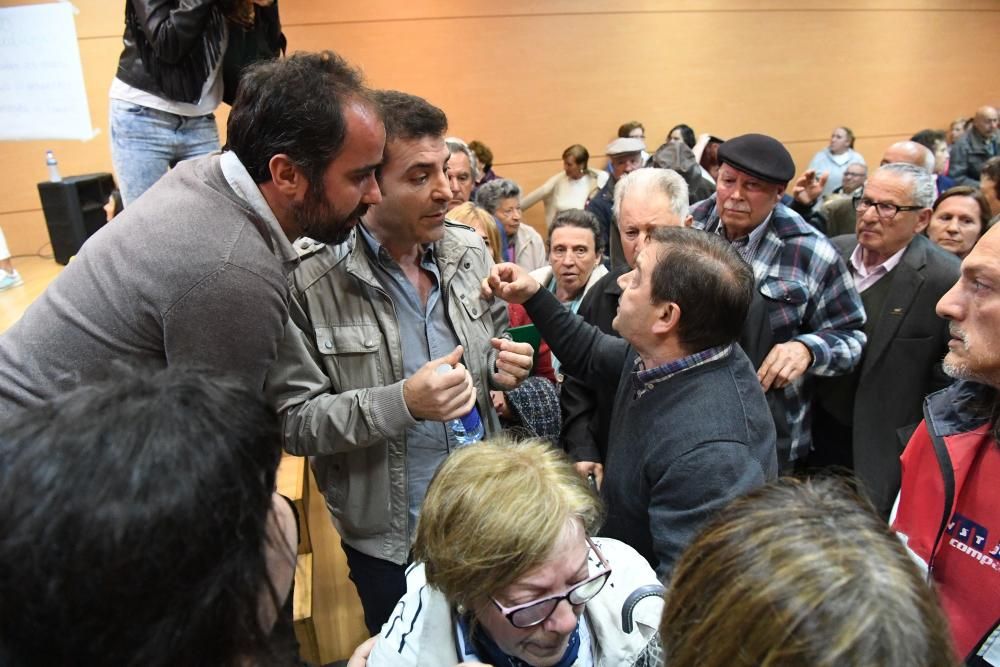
[651, 179]
[922, 182]
[489, 195]
[456, 145]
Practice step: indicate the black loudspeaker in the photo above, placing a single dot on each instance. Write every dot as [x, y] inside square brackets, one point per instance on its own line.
[74, 210]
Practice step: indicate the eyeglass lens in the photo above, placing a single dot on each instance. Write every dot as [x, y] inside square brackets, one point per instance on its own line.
[883, 209]
[537, 613]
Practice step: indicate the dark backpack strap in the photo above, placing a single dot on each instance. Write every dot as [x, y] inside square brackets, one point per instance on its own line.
[947, 477]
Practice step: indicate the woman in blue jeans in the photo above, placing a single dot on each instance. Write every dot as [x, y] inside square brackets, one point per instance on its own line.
[180, 61]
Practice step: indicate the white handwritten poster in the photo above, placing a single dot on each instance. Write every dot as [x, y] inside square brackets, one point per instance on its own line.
[42, 95]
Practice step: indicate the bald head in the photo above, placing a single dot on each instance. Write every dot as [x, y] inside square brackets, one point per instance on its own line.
[985, 121]
[909, 152]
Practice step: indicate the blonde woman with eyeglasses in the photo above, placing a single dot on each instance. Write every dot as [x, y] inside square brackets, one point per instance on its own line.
[506, 571]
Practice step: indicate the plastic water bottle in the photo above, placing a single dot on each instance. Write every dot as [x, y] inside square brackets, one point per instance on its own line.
[468, 429]
[53, 166]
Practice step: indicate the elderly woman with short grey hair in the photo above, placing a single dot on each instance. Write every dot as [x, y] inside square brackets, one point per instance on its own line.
[502, 199]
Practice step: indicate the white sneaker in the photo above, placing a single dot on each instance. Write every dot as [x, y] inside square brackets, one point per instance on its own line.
[8, 280]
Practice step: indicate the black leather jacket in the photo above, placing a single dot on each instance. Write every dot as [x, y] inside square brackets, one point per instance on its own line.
[171, 46]
[164, 46]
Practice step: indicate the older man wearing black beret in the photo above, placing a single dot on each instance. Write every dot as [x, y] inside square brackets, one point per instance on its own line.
[815, 313]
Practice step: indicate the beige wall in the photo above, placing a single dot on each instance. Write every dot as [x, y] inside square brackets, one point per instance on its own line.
[530, 78]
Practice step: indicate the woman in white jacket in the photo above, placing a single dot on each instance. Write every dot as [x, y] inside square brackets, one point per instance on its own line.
[570, 188]
[507, 574]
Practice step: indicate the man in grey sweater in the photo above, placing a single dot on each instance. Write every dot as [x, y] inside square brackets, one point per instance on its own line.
[195, 271]
[690, 427]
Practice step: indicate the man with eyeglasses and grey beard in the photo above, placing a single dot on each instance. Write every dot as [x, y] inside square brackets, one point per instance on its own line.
[900, 275]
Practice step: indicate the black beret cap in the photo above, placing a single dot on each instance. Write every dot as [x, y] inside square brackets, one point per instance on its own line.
[759, 155]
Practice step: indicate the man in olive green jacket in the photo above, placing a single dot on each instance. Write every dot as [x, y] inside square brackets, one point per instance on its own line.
[357, 378]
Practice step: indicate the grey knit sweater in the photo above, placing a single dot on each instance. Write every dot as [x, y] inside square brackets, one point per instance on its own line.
[183, 276]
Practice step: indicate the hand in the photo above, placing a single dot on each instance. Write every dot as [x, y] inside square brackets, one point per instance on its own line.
[440, 396]
[360, 656]
[513, 362]
[510, 282]
[585, 468]
[808, 187]
[785, 363]
[501, 405]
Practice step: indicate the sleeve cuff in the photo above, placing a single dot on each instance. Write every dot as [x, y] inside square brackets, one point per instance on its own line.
[818, 349]
[389, 413]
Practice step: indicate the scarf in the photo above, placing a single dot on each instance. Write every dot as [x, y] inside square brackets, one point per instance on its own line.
[489, 652]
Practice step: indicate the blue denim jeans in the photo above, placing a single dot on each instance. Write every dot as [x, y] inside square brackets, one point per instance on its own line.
[146, 142]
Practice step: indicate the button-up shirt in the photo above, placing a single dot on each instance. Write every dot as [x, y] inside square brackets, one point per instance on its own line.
[425, 334]
[747, 245]
[242, 184]
[865, 277]
[644, 379]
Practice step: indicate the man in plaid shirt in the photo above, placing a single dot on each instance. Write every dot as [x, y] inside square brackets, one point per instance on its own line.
[814, 309]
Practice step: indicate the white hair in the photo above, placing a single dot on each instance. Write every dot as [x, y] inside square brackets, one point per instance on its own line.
[922, 189]
[650, 180]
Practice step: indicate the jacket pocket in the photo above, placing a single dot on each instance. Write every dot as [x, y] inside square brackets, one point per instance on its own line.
[357, 488]
[356, 484]
[787, 301]
[783, 290]
[351, 356]
[473, 307]
[348, 339]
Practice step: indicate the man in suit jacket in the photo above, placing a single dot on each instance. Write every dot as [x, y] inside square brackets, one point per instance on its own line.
[900, 275]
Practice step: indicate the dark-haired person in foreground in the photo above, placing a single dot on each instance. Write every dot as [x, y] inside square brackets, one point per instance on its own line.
[140, 526]
[372, 322]
[801, 574]
[195, 272]
[946, 512]
[690, 427]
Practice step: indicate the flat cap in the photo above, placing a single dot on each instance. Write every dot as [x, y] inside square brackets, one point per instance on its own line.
[759, 155]
[623, 145]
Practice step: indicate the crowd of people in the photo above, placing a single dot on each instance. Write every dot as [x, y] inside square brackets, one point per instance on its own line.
[665, 381]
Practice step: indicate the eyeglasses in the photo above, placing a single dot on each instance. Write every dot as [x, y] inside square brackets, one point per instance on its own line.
[535, 612]
[884, 209]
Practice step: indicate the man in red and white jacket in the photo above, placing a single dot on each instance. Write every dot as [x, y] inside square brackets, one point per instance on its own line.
[947, 509]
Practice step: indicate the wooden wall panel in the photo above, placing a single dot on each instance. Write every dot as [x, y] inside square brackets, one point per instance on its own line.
[531, 78]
